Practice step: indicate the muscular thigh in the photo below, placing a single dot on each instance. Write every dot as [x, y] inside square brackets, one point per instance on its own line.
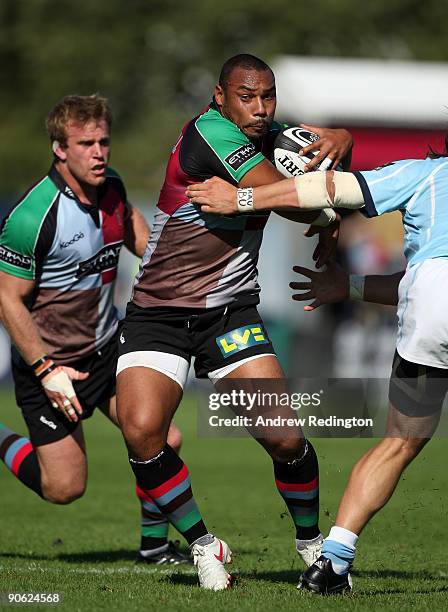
[63, 463]
[272, 420]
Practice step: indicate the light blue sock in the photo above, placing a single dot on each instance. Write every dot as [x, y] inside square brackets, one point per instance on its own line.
[340, 548]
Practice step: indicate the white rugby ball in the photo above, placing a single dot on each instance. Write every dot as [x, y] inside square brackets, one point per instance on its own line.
[286, 156]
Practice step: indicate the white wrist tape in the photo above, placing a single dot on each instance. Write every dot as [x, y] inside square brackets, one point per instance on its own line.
[59, 383]
[245, 200]
[328, 190]
[356, 285]
[327, 216]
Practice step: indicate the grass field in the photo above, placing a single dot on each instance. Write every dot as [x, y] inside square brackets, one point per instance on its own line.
[86, 550]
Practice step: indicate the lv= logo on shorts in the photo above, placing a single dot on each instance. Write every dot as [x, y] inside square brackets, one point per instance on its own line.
[240, 339]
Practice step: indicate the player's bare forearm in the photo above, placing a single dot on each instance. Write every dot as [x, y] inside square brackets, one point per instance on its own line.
[281, 197]
[266, 174]
[382, 289]
[21, 328]
[136, 231]
[311, 191]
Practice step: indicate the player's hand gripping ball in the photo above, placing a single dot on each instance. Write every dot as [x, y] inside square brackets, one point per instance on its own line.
[286, 156]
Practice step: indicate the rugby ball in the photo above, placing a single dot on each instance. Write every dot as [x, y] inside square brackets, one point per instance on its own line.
[287, 145]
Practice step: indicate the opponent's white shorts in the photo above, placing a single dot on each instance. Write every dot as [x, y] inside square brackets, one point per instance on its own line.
[423, 314]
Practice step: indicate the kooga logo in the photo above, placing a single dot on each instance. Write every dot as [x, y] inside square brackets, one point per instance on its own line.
[75, 238]
[105, 259]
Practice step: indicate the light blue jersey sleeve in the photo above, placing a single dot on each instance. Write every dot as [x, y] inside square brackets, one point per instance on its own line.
[390, 187]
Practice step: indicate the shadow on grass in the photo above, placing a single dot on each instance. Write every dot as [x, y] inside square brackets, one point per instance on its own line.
[288, 577]
[181, 579]
[291, 578]
[98, 556]
[397, 591]
[398, 574]
[95, 556]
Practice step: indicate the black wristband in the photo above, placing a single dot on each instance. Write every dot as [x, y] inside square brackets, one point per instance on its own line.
[46, 371]
[36, 364]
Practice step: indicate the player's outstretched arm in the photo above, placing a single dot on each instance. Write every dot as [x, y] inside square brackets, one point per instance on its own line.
[311, 191]
[220, 197]
[25, 335]
[334, 284]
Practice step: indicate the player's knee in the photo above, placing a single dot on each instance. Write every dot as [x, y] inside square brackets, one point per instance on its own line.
[136, 427]
[285, 449]
[63, 492]
[142, 438]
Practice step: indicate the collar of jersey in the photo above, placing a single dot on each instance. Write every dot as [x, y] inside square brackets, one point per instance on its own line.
[60, 183]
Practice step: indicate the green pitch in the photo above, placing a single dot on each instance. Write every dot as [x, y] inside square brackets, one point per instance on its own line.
[85, 551]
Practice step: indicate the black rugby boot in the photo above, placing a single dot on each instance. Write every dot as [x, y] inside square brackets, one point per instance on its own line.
[321, 578]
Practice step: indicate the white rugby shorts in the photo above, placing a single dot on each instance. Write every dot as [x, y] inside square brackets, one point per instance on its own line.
[423, 314]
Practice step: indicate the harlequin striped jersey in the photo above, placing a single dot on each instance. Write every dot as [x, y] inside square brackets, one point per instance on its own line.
[194, 259]
[70, 250]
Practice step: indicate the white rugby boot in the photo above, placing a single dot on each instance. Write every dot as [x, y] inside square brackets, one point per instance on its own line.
[209, 560]
[310, 551]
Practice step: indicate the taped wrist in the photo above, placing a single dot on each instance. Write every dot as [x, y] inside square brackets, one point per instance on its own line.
[356, 284]
[60, 383]
[245, 200]
[328, 190]
[326, 217]
[43, 366]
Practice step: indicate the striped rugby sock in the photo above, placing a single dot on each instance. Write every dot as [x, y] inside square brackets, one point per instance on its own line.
[298, 484]
[165, 479]
[154, 525]
[20, 458]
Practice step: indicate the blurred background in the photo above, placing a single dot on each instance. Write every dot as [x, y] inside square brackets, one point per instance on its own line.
[376, 68]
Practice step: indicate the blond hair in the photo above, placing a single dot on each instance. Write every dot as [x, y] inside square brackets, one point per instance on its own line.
[79, 110]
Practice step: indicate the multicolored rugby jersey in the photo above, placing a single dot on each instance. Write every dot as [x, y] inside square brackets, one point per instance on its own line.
[195, 259]
[71, 251]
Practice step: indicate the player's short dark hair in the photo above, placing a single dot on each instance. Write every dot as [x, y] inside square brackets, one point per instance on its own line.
[79, 110]
[242, 60]
[436, 154]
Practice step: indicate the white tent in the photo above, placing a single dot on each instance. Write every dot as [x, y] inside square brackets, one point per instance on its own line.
[365, 92]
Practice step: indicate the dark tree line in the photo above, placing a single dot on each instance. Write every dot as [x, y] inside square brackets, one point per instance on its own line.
[157, 61]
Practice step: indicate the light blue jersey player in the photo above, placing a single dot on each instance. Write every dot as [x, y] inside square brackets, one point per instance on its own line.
[418, 188]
